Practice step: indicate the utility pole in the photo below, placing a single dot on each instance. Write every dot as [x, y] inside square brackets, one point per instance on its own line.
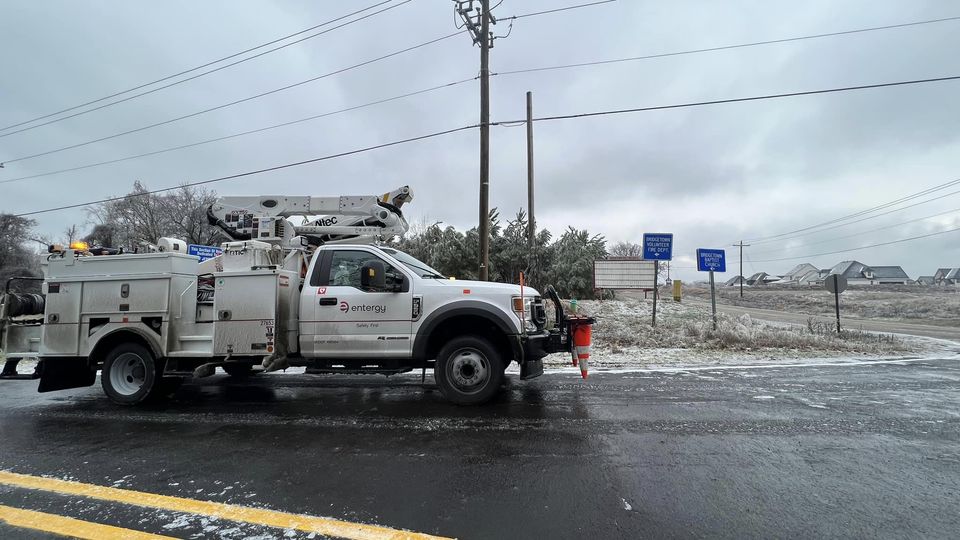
[531, 222]
[741, 245]
[480, 31]
[484, 139]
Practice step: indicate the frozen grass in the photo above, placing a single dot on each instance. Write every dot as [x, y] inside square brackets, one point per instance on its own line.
[927, 305]
[623, 336]
[626, 323]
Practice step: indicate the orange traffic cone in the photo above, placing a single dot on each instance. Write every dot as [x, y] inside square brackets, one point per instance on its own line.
[581, 329]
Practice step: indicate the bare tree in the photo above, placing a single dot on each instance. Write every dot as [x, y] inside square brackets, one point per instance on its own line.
[143, 217]
[625, 249]
[15, 258]
[71, 233]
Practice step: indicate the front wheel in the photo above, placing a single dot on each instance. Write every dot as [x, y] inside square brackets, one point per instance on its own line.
[469, 370]
[130, 374]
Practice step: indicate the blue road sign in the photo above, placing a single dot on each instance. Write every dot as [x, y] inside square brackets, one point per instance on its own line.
[714, 260]
[658, 246]
[204, 252]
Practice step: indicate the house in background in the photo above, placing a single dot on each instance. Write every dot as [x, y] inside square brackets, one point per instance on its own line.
[926, 280]
[735, 281]
[795, 274]
[858, 273]
[761, 278]
[890, 275]
[947, 276]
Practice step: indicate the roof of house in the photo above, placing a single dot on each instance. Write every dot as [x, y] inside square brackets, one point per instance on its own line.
[733, 281]
[942, 272]
[889, 272]
[758, 276]
[926, 280]
[799, 270]
[954, 273]
[849, 269]
[812, 275]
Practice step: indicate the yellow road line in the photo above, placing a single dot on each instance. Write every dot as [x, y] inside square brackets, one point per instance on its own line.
[257, 516]
[75, 528]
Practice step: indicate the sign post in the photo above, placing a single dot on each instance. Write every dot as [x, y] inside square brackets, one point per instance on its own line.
[712, 260]
[657, 247]
[836, 284]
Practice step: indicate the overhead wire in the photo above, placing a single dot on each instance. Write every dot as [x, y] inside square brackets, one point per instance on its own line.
[734, 100]
[900, 241]
[556, 10]
[862, 233]
[208, 64]
[232, 103]
[820, 226]
[254, 172]
[813, 36]
[862, 219]
[512, 123]
[727, 47]
[240, 134]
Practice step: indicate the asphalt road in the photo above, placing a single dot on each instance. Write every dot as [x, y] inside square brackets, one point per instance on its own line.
[870, 325]
[856, 451]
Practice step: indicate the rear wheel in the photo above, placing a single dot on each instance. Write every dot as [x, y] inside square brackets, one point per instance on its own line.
[469, 370]
[130, 374]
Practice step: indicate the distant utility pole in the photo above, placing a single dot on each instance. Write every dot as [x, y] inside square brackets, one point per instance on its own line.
[531, 224]
[478, 20]
[741, 245]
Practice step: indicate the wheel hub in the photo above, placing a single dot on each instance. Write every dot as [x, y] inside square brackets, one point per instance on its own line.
[128, 374]
[469, 370]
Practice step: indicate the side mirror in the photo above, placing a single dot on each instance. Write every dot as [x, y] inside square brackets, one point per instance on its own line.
[373, 276]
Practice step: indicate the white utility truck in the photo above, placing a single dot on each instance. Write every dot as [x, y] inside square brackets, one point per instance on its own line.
[323, 295]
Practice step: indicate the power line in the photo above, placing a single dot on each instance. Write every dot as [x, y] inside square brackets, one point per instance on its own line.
[175, 75]
[727, 47]
[900, 241]
[888, 212]
[248, 132]
[232, 103]
[258, 171]
[871, 231]
[504, 124]
[555, 10]
[733, 100]
[766, 239]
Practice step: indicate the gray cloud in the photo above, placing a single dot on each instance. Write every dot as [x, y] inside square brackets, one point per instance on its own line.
[711, 175]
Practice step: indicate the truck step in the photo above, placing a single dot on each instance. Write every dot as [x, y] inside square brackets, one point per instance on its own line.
[355, 371]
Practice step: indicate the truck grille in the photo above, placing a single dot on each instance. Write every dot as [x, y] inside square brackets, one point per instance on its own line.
[539, 312]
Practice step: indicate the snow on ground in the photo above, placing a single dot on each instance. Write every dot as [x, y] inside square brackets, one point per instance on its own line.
[925, 305]
[624, 338]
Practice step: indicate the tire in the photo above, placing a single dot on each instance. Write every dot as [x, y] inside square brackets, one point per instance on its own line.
[237, 369]
[469, 370]
[130, 374]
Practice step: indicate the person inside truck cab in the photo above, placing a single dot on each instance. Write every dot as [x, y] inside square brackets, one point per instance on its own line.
[345, 269]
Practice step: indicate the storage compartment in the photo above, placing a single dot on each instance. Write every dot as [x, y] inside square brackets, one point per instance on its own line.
[245, 311]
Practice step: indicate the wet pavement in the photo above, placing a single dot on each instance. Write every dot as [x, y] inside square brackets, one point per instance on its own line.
[837, 451]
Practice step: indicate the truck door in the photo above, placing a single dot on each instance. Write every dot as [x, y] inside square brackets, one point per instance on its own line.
[339, 319]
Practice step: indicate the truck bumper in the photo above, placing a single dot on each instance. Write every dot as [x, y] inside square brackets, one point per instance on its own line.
[532, 348]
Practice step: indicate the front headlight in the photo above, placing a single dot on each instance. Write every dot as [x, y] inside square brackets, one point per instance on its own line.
[522, 307]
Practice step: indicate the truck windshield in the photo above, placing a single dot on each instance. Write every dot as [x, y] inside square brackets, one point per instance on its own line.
[421, 268]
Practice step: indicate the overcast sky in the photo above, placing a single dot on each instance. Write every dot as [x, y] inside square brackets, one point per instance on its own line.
[711, 175]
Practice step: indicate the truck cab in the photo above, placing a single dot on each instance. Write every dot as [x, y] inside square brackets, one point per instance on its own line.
[365, 306]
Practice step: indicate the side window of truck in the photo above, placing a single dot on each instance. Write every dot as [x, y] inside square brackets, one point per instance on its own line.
[345, 268]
